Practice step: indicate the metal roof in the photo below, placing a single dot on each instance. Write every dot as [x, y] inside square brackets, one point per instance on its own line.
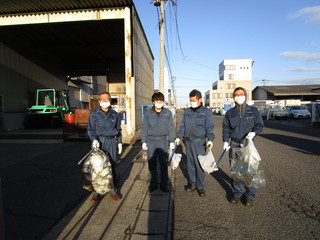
[29, 6]
[79, 47]
[290, 89]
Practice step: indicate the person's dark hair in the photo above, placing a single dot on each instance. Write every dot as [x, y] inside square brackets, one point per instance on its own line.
[239, 88]
[157, 96]
[105, 93]
[195, 93]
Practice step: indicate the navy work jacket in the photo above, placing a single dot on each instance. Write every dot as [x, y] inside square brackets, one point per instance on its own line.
[104, 125]
[197, 124]
[155, 125]
[237, 127]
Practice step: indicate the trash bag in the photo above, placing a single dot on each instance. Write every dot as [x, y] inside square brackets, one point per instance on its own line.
[207, 162]
[176, 158]
[246, 166]
[98, 172]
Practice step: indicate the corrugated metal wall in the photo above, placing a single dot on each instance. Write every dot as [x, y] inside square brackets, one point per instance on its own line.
[143, 69]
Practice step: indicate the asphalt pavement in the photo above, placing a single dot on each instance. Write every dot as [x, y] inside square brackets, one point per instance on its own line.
[288, 207]
[43, 197]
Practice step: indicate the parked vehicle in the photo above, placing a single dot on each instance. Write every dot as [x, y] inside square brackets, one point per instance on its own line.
[298, 112]
[309, 106]
[49, 110]
[274, 111]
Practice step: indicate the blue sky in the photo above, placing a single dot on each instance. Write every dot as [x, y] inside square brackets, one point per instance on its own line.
[281, 36]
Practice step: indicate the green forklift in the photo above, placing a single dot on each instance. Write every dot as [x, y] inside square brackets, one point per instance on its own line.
[49, 111]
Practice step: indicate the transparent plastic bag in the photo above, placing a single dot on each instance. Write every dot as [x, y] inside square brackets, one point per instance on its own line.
[246, 166]
[207, 162]
[176, 158]
[97, 171]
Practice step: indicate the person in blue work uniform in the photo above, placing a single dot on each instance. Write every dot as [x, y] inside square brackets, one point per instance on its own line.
[104, 130]
[157, 130]
[240, 122]
[197, 129]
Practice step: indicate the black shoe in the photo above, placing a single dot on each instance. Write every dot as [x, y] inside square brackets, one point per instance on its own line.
[235, 200]
[189, 188]
[164, 188]
[152, 187]
[201, 192]
[249, 202]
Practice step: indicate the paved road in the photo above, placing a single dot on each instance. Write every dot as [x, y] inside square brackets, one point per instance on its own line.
[42, 183]
[287, 208]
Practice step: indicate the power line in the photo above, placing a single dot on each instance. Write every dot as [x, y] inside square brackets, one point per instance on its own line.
[178, 32]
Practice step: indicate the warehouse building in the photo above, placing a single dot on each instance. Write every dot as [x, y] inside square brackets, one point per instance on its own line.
[304, 93]
[52, 44]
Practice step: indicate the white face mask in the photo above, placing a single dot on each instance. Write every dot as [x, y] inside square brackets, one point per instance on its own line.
[104, 104]
[158, 105]
[240, 99]
[194, 104]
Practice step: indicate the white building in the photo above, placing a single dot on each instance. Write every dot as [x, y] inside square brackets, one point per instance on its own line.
[233, 73]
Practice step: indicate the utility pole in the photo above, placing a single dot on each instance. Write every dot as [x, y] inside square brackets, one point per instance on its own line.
[160, 3]
[161, 71]
[264, 81]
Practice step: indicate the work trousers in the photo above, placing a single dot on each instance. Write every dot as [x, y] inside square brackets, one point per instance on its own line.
[158, 152]
[195, 147]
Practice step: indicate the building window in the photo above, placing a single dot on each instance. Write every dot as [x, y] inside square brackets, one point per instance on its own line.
[230, 86]
[219, 95]
[231, 76]
[228, 95]
[230, 67]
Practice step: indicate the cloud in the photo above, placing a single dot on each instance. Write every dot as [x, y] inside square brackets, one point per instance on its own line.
[313, 57]
[311, 15]
[304, 81]
[302, 69]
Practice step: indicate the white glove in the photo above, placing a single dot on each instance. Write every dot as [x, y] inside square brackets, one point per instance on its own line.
[177, 141]
[209, 146]
[226, 146]
[172, 146]
[95, 144]
[119, 148]
[251, 135]
[144, 147]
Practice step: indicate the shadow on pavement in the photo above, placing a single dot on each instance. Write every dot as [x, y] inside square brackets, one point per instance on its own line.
[42, 183]
[309, 147]
[86, 221]
[125, 165]
[224, 180]
[296, 126]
